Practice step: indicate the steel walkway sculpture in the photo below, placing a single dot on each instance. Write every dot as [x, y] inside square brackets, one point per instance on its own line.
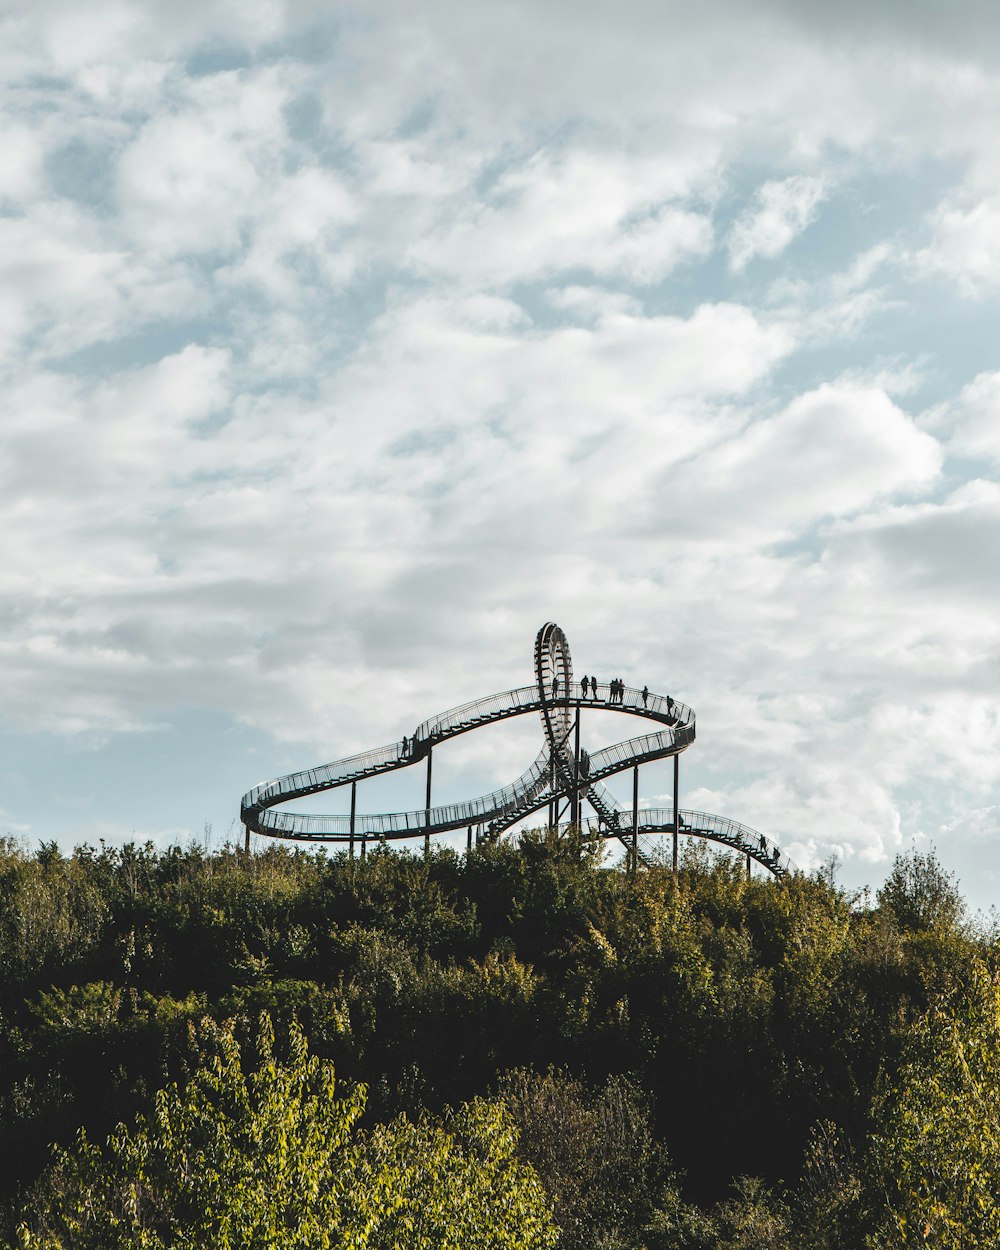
[562, 778]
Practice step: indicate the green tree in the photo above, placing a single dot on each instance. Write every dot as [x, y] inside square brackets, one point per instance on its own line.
[594, 1152]
[274, 1159]
[921, 894]
[936, 1151]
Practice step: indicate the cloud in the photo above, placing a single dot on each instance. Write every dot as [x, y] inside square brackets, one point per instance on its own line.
[780, 211]
[832, 452]
[971, 422]
[189, 181]
[597, 212]
[965, 248]
[919, 547]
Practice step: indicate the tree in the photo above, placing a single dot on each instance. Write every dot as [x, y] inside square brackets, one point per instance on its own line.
[274, 1159]
[594, 1151]
[921, 895]
[936, 1150]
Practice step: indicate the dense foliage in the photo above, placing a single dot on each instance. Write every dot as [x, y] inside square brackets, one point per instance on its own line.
[725, 1063]
[273, 1159]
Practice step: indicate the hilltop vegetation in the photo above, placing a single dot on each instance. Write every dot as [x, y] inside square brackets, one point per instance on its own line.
[483, 1051]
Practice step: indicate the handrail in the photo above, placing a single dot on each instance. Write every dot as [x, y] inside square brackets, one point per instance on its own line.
[657, 822]
[554, 774]
[517, 702]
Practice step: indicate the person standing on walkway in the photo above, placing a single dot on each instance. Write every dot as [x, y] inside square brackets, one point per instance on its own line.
[593, 687]
[645, 696]
[584, 684]
[555, 687]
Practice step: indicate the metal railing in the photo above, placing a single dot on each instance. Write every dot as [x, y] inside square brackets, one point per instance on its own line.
[449, 724]
[411, 824]
[656, 823]
[718, 829]
[547, 778]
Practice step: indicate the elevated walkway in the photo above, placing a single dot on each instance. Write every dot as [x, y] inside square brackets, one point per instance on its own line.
[560, 773]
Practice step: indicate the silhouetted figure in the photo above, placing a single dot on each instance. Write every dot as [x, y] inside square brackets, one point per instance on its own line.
[593, 687]
[645, 696]
[670, 706]
[763, 845]
[406, 746]
[584, 684]
[555, 687]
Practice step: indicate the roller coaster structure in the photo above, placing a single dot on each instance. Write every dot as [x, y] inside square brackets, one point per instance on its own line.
[562, 778]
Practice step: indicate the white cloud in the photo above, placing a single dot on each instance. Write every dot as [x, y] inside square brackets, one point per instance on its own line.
[965, 248]
[191, 180]
[780, 211]
[920, 549]
[830, 453]
[592, 303]
[21, 171]
[599, 212]
[972, 421]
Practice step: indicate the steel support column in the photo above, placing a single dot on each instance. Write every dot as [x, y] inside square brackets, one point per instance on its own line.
[427, 804]
[635, 818]
[677, 773]
[354, 808]
[575, 808]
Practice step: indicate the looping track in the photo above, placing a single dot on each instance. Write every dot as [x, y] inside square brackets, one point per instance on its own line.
[557, 773]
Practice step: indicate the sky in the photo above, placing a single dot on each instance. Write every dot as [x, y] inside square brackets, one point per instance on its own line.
[343, 345]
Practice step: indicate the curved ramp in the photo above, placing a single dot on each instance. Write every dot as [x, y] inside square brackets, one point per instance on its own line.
[558, 773]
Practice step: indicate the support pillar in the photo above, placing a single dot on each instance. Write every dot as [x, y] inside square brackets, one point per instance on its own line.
[468, 841]
[354, 808]
[575, 806]
[748, 867]
[427, 803]
[677, 773]
[635, 819]
[247, 844]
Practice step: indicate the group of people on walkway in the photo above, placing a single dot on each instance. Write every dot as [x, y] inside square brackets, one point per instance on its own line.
[616, 691]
